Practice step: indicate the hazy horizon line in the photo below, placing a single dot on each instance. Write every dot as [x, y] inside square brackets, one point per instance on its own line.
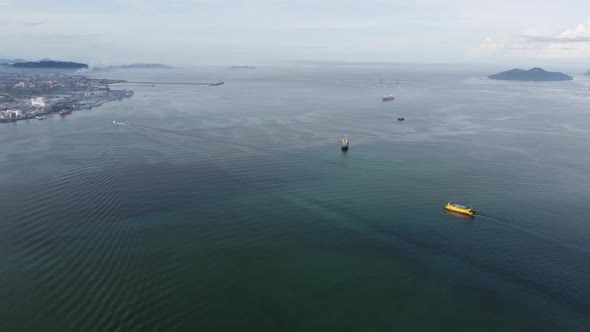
[310, 62]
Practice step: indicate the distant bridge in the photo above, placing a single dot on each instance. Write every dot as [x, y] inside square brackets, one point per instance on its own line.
[217, 83]
[371, 82]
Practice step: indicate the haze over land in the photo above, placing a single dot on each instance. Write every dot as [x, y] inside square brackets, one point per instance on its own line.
[514, 33]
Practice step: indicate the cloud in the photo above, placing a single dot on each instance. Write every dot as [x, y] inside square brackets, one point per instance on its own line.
[579, 34]
[582, 30]
[19, 23]
[487, 47]
[571, 44]
[544, 39]
[341, 24]
[210, 31]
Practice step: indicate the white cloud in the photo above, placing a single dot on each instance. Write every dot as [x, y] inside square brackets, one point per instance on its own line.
[488, 47]
[340, 24]
[572, 44]
[582, 30]
[185, 31]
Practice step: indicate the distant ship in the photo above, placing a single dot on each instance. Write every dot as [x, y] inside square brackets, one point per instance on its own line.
[388, 97]
[400, 119]
[40, 117]
[216, 84]
[344, 143]
[65, 112]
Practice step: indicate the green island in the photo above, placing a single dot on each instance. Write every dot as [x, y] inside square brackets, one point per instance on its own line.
[50, 65]
[534, 74]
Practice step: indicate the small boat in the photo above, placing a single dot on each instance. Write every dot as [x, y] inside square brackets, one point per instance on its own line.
[400, 119]
[459, 208]
[344, 143]
[40, 117]
[388, 97]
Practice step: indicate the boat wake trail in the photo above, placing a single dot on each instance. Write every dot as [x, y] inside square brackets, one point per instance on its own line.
[241, 145]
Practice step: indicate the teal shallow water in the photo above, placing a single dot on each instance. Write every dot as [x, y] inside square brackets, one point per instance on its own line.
[232, 208]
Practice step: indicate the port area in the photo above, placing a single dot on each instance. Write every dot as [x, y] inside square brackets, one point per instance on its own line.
[29, 95]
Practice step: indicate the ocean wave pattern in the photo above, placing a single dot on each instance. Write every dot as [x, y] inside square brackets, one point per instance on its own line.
[232, 208]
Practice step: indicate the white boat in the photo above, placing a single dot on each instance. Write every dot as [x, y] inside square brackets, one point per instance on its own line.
[41, 117]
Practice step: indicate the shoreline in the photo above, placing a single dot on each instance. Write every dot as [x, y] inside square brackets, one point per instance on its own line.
[86, 106]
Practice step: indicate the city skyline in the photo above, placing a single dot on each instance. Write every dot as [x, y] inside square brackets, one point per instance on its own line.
[183, 32]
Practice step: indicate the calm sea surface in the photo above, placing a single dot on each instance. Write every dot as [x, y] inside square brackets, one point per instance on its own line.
[232, 208]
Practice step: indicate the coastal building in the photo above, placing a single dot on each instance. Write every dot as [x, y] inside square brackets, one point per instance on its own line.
[58, 99]
[39, 94]
[38, 102]
[15, 114]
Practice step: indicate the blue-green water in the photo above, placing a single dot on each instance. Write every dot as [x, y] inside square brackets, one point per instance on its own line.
[232, 208]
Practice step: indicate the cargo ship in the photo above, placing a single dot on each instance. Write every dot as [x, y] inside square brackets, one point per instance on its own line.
[388, 97]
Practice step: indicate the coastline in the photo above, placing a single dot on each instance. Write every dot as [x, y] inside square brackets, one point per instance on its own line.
[128, 94]
[54, 94]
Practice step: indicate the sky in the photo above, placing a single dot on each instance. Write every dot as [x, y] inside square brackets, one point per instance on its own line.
[244, 32]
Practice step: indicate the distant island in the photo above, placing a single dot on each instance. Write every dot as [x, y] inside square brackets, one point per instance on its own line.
[241, 68]
[50, 65]
[535, 74]
[7, 62]
[136, 66]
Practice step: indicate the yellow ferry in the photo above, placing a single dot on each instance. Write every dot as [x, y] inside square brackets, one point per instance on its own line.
[459, 209]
